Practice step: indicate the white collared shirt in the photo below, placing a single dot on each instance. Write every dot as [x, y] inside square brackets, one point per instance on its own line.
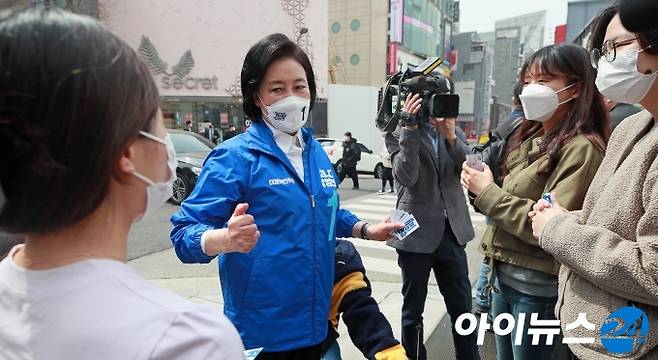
[292, 146]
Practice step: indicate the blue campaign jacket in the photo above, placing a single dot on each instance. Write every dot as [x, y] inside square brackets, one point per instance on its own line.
[277, 295]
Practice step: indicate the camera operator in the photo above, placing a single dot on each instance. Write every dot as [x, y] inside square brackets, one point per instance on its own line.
[427, 156]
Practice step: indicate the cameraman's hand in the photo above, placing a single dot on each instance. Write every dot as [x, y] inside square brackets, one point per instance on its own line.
[446, 127]
[412, 105]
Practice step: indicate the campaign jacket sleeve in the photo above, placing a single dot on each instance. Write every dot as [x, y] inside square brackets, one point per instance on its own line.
[220, 185]
[345, 222]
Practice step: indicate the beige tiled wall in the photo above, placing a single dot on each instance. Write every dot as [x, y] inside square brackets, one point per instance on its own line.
[368, 42]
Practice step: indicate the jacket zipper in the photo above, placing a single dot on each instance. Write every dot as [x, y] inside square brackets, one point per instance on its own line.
[310, 185]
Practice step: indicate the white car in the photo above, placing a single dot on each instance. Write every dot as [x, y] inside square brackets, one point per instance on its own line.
[370, 162]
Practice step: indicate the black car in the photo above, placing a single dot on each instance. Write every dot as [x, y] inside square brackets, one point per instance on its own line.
[191, 151]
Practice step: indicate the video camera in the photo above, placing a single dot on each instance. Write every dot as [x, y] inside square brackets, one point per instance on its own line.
[435, 90]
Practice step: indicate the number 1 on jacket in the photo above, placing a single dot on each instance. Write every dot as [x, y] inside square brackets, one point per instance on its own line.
[333, 204]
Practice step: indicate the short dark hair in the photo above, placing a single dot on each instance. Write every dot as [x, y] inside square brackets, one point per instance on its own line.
[72, 97]
[600, 26]
[348, 134]
[268, 50]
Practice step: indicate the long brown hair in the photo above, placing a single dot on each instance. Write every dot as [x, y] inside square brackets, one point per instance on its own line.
[587, 114]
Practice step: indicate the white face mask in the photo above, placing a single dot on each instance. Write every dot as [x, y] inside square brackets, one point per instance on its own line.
[288, 114]
[157, 193]
[540, 102]
[620, 81]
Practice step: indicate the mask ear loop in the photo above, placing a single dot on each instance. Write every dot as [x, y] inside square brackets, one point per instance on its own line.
[649, 71]
[561, 90]
[263, 104]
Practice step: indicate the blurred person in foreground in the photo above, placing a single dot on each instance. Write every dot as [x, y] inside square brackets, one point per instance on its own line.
[89, 157]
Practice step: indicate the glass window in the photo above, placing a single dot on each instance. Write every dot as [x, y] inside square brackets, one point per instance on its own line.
[355, 24]
[187, 143]
[355, 59]
[326, 143]
[335, 27]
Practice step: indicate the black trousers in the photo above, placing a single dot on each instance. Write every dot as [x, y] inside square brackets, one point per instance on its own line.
[308, 353]
[351, 172]
[561, 351]
[451, 271]
[387, 175]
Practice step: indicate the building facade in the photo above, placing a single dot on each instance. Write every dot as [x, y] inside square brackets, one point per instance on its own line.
[580, 15]
[195, 51]
[516, 38]
[358, 33]
[419, 29]
[371, 39]
[472, 77]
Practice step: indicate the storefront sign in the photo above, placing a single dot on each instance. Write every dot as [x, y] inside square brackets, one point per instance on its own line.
[178, 78]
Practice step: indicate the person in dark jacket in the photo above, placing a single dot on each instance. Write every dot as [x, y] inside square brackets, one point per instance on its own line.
[188, 126]
[352, 297]
[231, 132]
[351, 156]
[211, 133]
[619, 111]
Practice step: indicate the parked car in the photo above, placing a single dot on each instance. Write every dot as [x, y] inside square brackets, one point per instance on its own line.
[370, 163]
[191, 151]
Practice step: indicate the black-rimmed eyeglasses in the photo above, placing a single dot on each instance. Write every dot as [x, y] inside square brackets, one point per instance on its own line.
[608, 51]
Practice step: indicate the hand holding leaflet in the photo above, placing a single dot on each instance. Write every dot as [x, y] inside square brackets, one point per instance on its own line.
[408, 220]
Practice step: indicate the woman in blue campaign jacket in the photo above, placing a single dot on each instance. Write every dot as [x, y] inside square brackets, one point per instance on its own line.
[266, 202]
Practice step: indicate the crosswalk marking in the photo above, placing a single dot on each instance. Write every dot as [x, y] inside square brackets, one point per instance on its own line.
[368, 207]
[379, 245]
[375, 208]
[380, 201]
[370, 216]
[381, 265]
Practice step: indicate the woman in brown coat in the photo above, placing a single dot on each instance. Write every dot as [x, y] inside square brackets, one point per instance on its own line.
[609, 250]
[558, 148]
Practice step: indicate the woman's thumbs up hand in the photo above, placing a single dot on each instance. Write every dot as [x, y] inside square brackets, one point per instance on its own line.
[242, 234]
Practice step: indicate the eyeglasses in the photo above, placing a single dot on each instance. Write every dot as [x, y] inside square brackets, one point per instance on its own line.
[607, 51]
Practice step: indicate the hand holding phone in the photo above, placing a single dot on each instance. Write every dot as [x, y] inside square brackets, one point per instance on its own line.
[474, 161]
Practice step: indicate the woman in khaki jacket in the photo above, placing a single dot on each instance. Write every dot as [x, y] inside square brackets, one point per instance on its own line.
[609, 250]
[558, 148]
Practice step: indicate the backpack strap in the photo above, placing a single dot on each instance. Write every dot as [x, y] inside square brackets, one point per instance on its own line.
[506, 128]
